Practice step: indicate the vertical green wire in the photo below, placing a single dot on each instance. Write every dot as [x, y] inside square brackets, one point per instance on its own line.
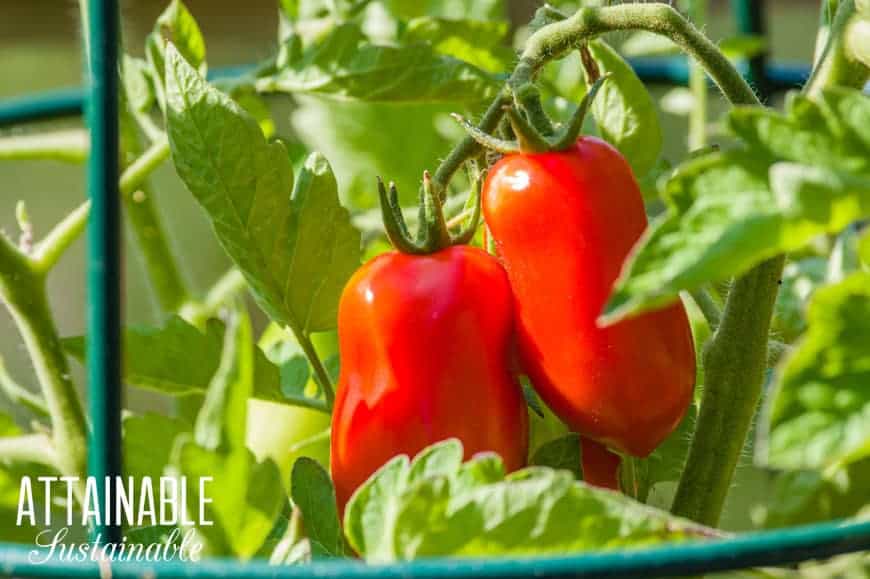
[750, 17]
[104, 255]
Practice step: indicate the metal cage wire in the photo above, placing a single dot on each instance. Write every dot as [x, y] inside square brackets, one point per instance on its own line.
[105, 387]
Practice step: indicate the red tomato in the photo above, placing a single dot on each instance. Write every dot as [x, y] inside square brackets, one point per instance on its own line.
[425, 344]
[600, 466]
[563, 223]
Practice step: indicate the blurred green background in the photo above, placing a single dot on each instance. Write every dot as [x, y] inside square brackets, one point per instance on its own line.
[39, 50]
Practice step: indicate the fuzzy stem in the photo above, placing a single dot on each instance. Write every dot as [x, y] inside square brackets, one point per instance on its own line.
[70, 146]
[227, 287]
[150, 234]
[556, 39]
[734, 364]
[321, 376]
[28, 448]
[698, 86]
[58, 240]
[22, 287]
[708, 307]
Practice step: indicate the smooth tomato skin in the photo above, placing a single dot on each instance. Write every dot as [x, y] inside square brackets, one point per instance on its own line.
[563, 224]
[600, 465]
[425, 345]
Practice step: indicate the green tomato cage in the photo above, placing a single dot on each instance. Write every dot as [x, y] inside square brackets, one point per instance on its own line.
[100, 102]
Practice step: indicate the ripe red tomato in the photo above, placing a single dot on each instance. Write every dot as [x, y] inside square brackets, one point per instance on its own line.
[425, 343]
[563, 223]
[600, 466]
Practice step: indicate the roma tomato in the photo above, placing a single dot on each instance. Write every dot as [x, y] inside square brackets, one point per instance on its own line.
[600, 466]
[425, 344]
[563, 223]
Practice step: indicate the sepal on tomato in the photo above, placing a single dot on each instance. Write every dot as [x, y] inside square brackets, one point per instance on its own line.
[529, 139]
[433, 233]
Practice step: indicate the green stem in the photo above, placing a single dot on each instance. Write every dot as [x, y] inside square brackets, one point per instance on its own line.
[735, 361]
[148, 230]
[70, 146]
[556, 39]
[468, 147]
[137, 172]
[228, 286]
[708, 307]
[22, 287]
[321, 376]
[28, 448]
[52, 247]
[698, 86]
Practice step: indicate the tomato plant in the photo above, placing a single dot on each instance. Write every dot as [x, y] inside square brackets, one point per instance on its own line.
[600, 311]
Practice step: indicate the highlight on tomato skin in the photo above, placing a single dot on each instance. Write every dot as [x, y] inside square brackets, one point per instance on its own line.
[563, 223]
[425, 343]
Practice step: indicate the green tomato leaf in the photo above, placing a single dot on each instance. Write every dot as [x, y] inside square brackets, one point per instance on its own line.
[472, 510]
[800, 278]
[443, 458]
[478, 10]
[344, 65]
[138, 84]
[220, 424]
[477, 42]
[244, 503]
[296, 252]
[820, 409]
[246, 497]
[824, 135]
[370, 512]
[323, 245]
[148, 443]
[177, 26]
[561, 453]
[361, 139]
[314, 494]
[179, 360]
[625, 112]
[729, 212]
[802, 497]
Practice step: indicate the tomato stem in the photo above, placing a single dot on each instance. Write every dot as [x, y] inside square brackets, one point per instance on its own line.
[22, 288]
[735, 361]
[321, 376]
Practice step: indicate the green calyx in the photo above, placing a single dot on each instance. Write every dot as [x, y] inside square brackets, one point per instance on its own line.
[528, 138]
[433, 233]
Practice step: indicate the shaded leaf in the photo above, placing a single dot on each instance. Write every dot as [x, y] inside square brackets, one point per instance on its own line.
[179, 360]
[477, 42]
[314, 495]
[561, 453]
[625, 112]
[347, 66]
[819, 413]
[148, 442]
